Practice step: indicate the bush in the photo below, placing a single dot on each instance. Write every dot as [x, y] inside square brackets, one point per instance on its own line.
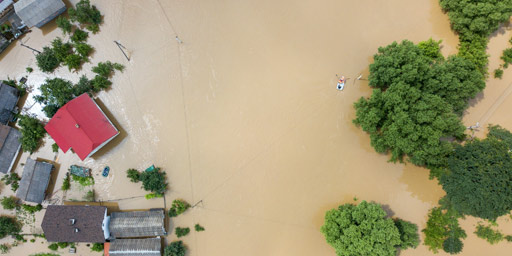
[182, 231]
[508, 238]
[9, 203]
[100, 83]
[498, 73]
[32, 208]
[12, 179]
[97, 247]
[29, 69]
[507, 57]
[9, 226]
[441, 224]
[64, 24]
[175, 249]
[53, 246]
[4, 248]
[33, 240]
[90, 196]
[44, 254]
[85, 14]
[83, 50]
[178, 207]
[94, 28]
[487, 233]
[154, 181]
[200, 228]
[153, 195]
[133, 174]
[84, 181]
[73, 61]
[47, 61]
[105, 69]
[61, 49]
[452, 245]
[55, 148]
[66, 184]
[79, 36]
[32, 132]
[409, 236]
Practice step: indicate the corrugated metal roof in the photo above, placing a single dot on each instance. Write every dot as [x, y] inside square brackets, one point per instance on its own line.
[8, 101]
[137, 224]
[136, 247]
[38, 12]
[4, 4]
[9, 147]
[34, 181]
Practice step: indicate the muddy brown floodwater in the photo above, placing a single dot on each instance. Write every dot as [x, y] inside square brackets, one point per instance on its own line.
[244, 115]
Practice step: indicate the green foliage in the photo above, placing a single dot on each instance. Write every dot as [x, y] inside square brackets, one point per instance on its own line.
[63, 244]
[154, 181]
[73, 61]
[61, 49]
[498, 73]
[84, 181]
[508, 238]
[487, 233]
[178, 207]
[54, 94]
[44, 254]
[32, 132]
[47, 61]
[90, 196]
[431, 49]
[474, 49]
[175, 249]
[29, 69]
[133, 174]
[12, 179]
[55, 148]
[477, 17]
[84, 85]
[106, 69]
[4, 248]
[181, 231]
[479, 176]
[83, 50]
[100, 83]
[53, 246]
[153, 195]
[94, 28]
[66, 184]
[97, 247]
[79, 36]
[9, 203]
[409, 236]
[442, 224]
[452, 245]
[64, 24]
[361, 229]
[31, 208]
[33, 240]
[9, 226]
[86, 14]
[200, 228]
[507, 57]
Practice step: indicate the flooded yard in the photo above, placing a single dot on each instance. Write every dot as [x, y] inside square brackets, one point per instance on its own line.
[245, 119]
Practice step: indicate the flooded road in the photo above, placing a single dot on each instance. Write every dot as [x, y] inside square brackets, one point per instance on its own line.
[244, 116]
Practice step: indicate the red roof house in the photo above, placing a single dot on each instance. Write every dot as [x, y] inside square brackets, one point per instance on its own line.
[82, 126]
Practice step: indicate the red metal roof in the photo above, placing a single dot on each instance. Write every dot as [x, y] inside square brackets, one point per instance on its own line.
[81, 125]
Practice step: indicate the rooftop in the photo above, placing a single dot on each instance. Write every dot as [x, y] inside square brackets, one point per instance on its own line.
[34, 181]
[8, 101]
[135, 247]
[38, 12]
[137, 224]
[9, 147]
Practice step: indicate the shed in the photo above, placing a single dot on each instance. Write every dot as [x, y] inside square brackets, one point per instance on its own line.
[34, 181]
[9, 147]
[75, 223]
[137, 224]
[136, 247]
[8, 101]
[38, 12]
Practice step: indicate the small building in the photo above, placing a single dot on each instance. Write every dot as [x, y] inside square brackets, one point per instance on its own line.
[9, 147]
[6, 6]
[135, 247]
[82, 126]
[74, 223]
[38, 12]
[8, 100]
[34, 181]
[137, 224]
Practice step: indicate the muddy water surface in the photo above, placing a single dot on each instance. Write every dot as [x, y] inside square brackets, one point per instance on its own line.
[244, 116]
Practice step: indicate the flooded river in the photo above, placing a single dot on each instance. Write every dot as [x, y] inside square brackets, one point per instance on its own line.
[244, 117]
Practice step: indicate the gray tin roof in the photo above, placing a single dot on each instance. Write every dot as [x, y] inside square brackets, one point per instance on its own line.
[34, 181]
[38, 12]
[137, 224]
[8, 101]
[4, 4]
[9, 147]
[136, 247]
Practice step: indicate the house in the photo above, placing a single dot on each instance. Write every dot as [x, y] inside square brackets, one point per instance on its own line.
[135, 247]
[9, 147]
[82, 126]
[38, 12]
[137, 224]
[34, 181]
[6, 6]
[75, 223]
[8, 100]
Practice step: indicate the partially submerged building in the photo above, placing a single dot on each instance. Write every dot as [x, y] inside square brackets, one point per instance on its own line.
[34, 181]
[82, 126]
[134, 247]
[8, 99]
[9, 147]
[137, 224]
[38, 12]
[75, 223]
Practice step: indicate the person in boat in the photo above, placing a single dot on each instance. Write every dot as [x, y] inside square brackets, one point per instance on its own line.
[341, 80]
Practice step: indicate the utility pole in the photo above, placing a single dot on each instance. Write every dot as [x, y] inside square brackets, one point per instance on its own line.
[122, 48]
[33, 50]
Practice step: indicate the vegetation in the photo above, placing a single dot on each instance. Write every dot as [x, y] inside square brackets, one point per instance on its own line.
[364, 229]
[73, 61]
[61, 49]
[90, 196]
[487, 233]
[452, 245]
[55, 148]
[12, 179]
[79, 36]
[479, 174]
[84, 50]
[9, 202]
[21, 87]
[54, 94]
[4, 248]
[47, 61]
[63, 244]
[29, 69]
[9, 226]
[200, 228]
[66, 184]
[32, 132]
[409, 236]
[84, 181]
[507, 57]
[32, 208]
[106, 69]
[152, 181]
[498, 73]
[181, 231]
[64, 24]
[443, 224]
[44, 254]
[175, 249]
[133, 174]
[53, 246]
[97, 247]
[178, 207]
[86, 14]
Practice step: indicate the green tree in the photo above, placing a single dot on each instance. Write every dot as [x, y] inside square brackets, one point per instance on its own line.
[200, 228]
[73, 61]
[9, 226]
[32, 132]
[83, 50]
[86, 14]
[79, 36]
[90, 196]
[55, 148]
[361, 229]
[54, 94]
[182, 231]
[479, 176]
[97, 247]
[12, 179]
[64, 24]
[452, 245]
[498, 73]
[106, 69]
[431, 49]
[442, 223]
[62, 50]
[53, 246]
[9, 202]
[175, 249]
[133, 174]
[66, 184]
[178, 207]
[47, 61]
[486, 232]
[409, 236]
[154, 181]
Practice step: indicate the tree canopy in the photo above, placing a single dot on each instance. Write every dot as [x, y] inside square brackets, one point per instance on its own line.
[363, 229]
[175, 249]
[32, 132]
[9, 226]
[479, 176]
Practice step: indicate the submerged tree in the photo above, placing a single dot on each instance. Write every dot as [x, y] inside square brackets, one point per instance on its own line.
[32, 132]
[47, 61]
[175, 249]
[9, 226]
